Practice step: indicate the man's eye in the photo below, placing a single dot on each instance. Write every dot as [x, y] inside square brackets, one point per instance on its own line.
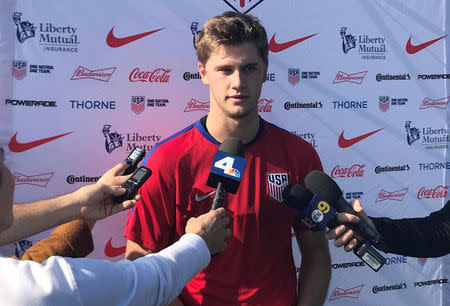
[249, 68]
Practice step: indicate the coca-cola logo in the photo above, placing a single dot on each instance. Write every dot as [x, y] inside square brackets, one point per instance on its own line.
[40, 180]
[265, 105]
[159, 75]
[397, 195]
[356, 170]
[440, 103]
[348, 293]
[439, 191]
[356, 78]
[99, 74]
[195, 105]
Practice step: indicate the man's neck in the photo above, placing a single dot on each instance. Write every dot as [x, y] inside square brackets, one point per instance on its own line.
[221, 128]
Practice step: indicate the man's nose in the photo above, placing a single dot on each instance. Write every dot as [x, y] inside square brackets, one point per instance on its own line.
[238, 79]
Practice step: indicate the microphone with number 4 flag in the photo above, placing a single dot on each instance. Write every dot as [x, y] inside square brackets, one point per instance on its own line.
[227, 169]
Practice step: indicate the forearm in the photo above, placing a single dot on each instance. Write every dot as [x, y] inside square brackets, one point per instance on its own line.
[314, 279]
[33, 218]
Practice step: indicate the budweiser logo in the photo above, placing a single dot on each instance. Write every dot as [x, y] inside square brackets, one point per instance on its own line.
[356, 170]
[40, 180]
[100, 74]
[348, 293]
[397, 195]
[195, 105]
[356, 78]
[440, 103]
[159, 75]
[439, 191]
[265, 105]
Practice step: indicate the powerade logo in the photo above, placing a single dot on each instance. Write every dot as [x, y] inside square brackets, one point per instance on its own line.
[229, 165]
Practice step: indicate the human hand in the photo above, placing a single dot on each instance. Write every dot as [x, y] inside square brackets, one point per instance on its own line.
[211, 227]
[342, 234]
[96, 200]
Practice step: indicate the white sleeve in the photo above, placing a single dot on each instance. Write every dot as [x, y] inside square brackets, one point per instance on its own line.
[155, 279]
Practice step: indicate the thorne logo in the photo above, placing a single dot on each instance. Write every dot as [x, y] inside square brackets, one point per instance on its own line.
[397, 195]
[368, 47]
[356, 170]
[99, 74]
[52, 37]
[352, 293]
[439, 191]
[355, 78]
[159, 75]
[440, 103]
[195, 105]
[350, 104]
[40, 180]
[265, 105]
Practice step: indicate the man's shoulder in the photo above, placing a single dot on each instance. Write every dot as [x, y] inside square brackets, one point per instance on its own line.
[280, 134]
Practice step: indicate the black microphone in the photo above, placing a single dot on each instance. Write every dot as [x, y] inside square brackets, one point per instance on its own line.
[316, 213]
[227, 169]
[320, 183]
[313, 211]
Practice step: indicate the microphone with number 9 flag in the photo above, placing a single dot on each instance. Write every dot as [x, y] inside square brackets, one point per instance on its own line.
[227, 169]
[317, 213]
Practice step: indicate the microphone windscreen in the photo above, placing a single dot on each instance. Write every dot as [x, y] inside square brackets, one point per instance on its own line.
[296, 196]
[320, 183]
[233, 145]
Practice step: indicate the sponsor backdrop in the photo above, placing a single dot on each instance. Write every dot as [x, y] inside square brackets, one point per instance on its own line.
[366, 83]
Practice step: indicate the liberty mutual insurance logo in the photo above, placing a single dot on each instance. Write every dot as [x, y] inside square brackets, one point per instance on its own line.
[25, 29]
[195, 31]
[369, 46]
[113, 140]
[348, 40]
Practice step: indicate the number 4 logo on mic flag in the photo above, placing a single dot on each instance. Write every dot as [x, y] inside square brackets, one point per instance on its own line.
[276, 182]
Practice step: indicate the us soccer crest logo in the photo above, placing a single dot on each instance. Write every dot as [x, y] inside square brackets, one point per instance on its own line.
[243, 6]
[383, 102]
[137, 104]
[19, 69]
[276, 182]
[293, 76]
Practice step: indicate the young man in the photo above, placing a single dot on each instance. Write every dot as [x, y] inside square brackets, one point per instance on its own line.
[257, 268]
[151, 280]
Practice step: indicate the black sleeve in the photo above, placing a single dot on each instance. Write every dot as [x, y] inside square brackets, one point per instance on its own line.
[417, 237]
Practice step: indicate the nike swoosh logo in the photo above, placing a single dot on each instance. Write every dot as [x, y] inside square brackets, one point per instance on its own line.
[276, 47]
[411, 49]
[15, 146]
[111, 251]
[345, 143]
[201, 198]
[115, 42]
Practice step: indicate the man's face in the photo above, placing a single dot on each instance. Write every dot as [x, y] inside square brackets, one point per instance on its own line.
[235, 75]
[6, 195]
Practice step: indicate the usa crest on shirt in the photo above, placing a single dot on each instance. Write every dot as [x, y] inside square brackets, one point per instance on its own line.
[276, 182]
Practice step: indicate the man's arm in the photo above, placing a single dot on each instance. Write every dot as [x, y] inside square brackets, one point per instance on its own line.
[315, 269]
[91, 202]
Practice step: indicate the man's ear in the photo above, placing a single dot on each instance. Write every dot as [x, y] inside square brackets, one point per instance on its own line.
[202, 71]
[265, 72]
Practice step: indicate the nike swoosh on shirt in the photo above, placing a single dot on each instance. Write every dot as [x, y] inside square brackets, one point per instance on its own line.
[202, 197]
[411, 49]
[15, 146]
[115, 42]
[276, 47]
[345, 143]
[111, 251]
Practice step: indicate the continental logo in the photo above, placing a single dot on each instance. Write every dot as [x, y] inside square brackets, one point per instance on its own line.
[381, 169]
[377, 289]
[72, 179]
